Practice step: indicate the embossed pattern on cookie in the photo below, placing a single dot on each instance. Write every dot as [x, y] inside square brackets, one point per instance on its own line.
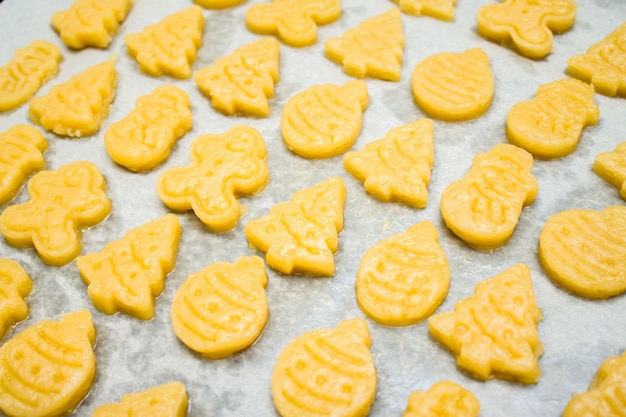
[443, 399]
[439, 9]
[611, 167]
[165, 400]
[15, 285]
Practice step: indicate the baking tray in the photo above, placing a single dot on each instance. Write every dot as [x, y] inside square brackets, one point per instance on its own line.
[133, 355]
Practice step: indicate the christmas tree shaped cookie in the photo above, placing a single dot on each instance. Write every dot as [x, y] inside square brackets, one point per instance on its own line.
[330, 371]
[242, 82]
[295, 22]
[222, 309]
[128, 274]
[78, 106]
[372, 49]
[169, 47]
[166, 400]
[585, 251]
[611, 167]
[404, 278]
[484, 206]
[493, 334]
[603, 64]
[301, 236]
[90, 22]
[223, 167]
[29, 69]
[144, 139]
[324, 120]
[443, 399]
[62, 202]
[439, 9]
[47, 369]
[528, 24]
[15, 285]
[550, 125]
[397, 167]
[21, 154]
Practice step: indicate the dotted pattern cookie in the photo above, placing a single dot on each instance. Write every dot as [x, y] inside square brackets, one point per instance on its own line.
[62, 202]
[166, 400]
[443, 399]
[144, 139]
[493, 334]
[47, 369]
[26, 72]
[78, 106]
[128, 274]
[222, 309]
[584, 251]
[611, 167]
[439, 9]
[169, 47]
[372, 49]
[398, 166]
[528, 24]
[324, 120]
[21, 154]
[454, 87]
[550, 125]
[15, 285]
[294, 22]
[301, 236]
[241, 83]
[330, 371]
[484, 206]
[403, 279]
[90, 22]
[223, 167]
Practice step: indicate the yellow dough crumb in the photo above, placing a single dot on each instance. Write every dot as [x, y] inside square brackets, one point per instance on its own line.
[21, 154]
[372, 49]
[47, 369]
[329, 371]
[129, 273]
[223, 167]
[78, 106]
[528, 24]
[484, 206]
[493, 334]
[398, 166]
[439, 9]
[550, 125]
[166, 400]
[443, 399]
[144, 139]
[90, 22]
[222, 309]
[169, 47]
[27, 71]
[324, 120]
[62, 202]
[584, 251]
[301, 236]
[241, 82]
[606, 396]
[454, 86]
[218, 4]
[611, 167]
[403, 279]
[294, 22]
[15, 285]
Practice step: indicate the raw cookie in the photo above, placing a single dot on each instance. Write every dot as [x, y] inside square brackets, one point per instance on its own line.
[493, 334]
[454, 87]
[484, 206]
[15, 285]
[222, 309]
[397, 167]
[528, 24]
[372, 49]
[443, 399]
[301, 236]
[611, 167]
[584, 251]
[403, 279]
[326, 372]
[144, 139]
[26, 72]
[550, 125]
[439, 9]
[223, 167]
[218, 4]
[294, 22]
[129, 273]
[166, 400]
[324, 120]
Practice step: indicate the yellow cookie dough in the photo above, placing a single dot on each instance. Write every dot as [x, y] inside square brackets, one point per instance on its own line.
[611, 167]
[166, 400]
[443, 399]
[218, 4]
[439, 9]
[15, 285]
